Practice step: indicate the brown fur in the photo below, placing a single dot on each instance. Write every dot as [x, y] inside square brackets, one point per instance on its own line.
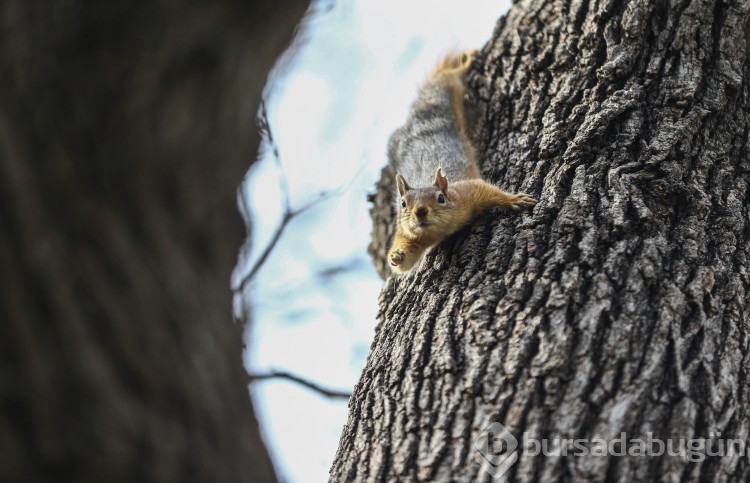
[428, 215]
[464, 201]
[451, 71]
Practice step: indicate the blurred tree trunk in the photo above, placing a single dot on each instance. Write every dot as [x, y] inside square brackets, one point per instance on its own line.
[125, 130]
[621, 304]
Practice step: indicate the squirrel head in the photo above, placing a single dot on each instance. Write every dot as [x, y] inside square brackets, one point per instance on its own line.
[423, 212]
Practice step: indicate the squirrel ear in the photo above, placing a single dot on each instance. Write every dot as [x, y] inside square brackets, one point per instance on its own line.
[441, 181]
[403, 186]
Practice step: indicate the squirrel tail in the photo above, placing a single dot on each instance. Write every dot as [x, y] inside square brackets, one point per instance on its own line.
[450, 73]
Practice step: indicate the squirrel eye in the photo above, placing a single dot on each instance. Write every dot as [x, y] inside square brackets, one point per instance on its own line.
[403, 204]
[441, 198]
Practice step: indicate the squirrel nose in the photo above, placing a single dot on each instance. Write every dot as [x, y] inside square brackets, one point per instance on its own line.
[421, 212]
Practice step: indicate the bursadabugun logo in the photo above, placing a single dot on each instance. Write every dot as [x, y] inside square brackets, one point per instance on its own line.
[496, 449]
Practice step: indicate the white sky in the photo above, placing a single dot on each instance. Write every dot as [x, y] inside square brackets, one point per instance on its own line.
[331, 111]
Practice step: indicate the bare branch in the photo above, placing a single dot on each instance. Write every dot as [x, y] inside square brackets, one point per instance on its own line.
[330, 393]
[266, 252]
[289, 213]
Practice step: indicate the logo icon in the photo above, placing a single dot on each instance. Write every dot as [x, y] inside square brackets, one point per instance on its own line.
[496, 450]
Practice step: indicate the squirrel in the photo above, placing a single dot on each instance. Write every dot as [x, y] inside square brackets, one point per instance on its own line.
[434, 139]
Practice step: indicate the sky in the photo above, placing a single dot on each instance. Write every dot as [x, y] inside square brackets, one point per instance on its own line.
[332, 102]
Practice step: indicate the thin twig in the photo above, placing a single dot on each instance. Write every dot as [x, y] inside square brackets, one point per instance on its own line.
[289, 212]
[288, 215]
[330, 393]
[265, 129]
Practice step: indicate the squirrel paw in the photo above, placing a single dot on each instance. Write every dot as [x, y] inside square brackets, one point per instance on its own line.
[522, 201]
[397, 257]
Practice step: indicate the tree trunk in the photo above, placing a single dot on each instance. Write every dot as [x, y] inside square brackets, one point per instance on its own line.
[125, 130]
[621, 303]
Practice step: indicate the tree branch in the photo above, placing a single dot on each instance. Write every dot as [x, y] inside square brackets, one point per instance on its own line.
[289, 212]
[330, 393]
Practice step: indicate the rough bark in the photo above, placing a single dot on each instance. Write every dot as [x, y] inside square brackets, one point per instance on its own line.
[125, 130]
[621, 303]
